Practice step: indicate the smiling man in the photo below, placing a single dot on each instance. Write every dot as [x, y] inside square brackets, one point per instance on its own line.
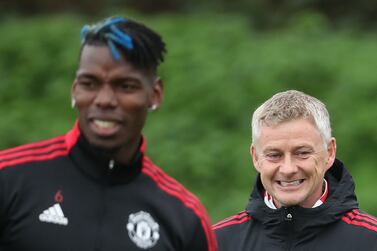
[94, 188]
[304, 197]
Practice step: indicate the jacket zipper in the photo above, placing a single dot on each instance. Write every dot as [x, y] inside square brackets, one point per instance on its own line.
[288, 218]
[111, 164]
[101, 218]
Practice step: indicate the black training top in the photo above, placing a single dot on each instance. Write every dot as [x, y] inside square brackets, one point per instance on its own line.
[335, 225]
[61, 194]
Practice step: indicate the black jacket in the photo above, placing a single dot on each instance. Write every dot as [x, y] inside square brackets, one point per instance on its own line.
[335, 225]
[62, 194]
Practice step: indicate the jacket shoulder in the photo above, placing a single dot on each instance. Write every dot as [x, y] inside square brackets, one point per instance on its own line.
[38, 151]
[361, 220]
[169, 185]
[232, 232]
[237, 219]
[173, 188]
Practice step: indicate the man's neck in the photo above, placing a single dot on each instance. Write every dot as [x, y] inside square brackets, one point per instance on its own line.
[124, 155]
[127, 153]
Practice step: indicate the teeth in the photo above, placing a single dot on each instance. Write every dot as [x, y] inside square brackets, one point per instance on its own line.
[290, 183]
[104, 124]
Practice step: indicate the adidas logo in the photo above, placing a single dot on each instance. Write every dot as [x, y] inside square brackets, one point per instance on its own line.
[54, 215]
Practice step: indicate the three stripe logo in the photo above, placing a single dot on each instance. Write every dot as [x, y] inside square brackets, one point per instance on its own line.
[358, 218]
[54, 215]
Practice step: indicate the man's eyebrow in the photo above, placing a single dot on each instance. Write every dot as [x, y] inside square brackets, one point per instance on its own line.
[303, 147]
[127, 78]
[86, 75]
[271, 149]
[115, 79]
[120, 79]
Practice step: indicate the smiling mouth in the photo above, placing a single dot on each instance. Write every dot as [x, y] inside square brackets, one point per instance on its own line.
[290, 183]
[105, 128]
[105, 124]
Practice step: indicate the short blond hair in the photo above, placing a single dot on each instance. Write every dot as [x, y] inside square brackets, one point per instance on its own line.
[291, 105]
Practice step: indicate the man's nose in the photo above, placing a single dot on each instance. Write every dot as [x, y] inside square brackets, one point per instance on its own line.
[106, 97]
[288, 165]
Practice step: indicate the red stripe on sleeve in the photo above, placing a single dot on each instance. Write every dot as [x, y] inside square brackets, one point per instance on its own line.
[359, 223]
[365, 216]
[240, 214]
[72, 136]
[33, 158]
[40, 144]
[232, 220]
[171, 183]
[362, 220]
[43, 150]
[172, 187]
[26, 152]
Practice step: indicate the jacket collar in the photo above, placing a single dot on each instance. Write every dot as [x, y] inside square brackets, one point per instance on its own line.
[98, 164]
[341, 198]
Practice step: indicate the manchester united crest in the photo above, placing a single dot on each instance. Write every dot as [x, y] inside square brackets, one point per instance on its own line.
[143, 229]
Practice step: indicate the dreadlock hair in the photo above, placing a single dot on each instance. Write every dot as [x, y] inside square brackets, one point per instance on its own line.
[141, 46]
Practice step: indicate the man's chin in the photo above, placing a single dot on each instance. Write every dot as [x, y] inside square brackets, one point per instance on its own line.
[288, 202]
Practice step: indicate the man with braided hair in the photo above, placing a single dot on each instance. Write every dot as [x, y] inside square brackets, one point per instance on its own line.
[94, 188]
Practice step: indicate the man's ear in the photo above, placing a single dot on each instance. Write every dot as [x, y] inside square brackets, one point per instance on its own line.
[255, 157]
[157, 93]
[331, 153]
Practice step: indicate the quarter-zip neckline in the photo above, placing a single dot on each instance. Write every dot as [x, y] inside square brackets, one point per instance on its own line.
[97, 164]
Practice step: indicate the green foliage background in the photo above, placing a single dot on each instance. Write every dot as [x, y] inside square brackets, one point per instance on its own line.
[218, 70]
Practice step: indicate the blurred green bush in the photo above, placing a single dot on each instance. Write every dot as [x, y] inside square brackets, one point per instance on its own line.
[217, 71]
